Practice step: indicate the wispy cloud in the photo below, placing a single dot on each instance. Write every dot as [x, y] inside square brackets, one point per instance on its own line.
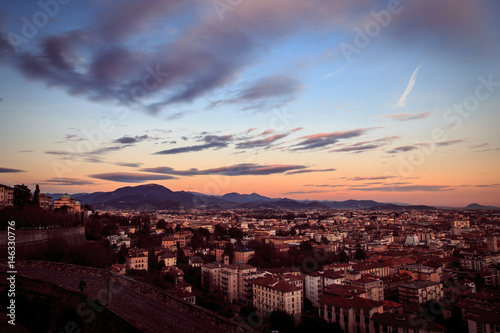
[409, 88]
[128, 165]
[278, 88]
[306, 192]
[244, 169]
[359, 147]
[362, 179]
[400, 149]
[449, 143]
[9, 170]
[67, 182]
[262, 142]
[130, 140]
[322, 140]
[211, 142]
[123, 177]
[406, 116]
[310, 171]
[404, 188]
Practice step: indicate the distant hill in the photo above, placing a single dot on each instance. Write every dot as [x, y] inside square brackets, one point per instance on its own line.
[157, 197]
[245, 198]
[476, 206]
[398, 207]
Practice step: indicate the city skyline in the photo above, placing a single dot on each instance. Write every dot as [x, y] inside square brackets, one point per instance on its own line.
[390, 101]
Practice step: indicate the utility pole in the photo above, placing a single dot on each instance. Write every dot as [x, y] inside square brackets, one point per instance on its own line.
[107, 291]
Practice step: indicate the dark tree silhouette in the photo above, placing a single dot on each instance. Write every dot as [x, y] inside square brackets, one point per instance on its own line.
[343, 257]
[22, 196]
[229, 251]
[282, 321]
[36, 196]
[161, 224]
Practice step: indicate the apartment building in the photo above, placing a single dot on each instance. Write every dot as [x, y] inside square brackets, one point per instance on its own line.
[44, 201]
[372, 288]
[404, 323]
[392, 282]
[315, 283]
[422, 272]
[275, 294]
[210, 276]
[137, 259]
[169, 259]
[183, 238]
[419, 292]
[377, 269]
[168, 242]
[353, 313]
[232, 282]
[6, 196]
[242, 254]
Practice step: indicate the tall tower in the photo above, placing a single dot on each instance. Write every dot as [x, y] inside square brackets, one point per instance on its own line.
[492, 243]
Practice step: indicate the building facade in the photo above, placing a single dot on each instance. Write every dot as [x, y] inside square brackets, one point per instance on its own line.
[6, 196]
[275, 294]
[419, 292]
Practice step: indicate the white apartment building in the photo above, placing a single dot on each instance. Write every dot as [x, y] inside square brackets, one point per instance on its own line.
[316, 282]
[275, 294]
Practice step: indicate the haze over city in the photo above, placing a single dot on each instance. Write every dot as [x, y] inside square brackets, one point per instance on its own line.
[384, 100]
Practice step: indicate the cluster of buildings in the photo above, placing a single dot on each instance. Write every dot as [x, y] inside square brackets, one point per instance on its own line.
[448, 259]
[44, 200]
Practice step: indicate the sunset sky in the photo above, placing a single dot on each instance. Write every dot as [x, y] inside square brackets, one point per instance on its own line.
[395, 101]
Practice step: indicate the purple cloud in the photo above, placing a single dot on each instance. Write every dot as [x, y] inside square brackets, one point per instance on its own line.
[123, 177]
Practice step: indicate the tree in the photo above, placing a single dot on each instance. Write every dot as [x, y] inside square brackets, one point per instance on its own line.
[360, 254]
[282, 321]
[122, 254]
[229, 251]
[343, 257]
[181, 257]
[22, 196]
[177, 227]
[324, 240]
[305, 246]
[36, 196]
[219, 231]
[161, 224]
[293, 232]
[235, 233]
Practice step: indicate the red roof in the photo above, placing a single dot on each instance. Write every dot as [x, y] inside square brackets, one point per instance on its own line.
[349, 301]
[276, 284]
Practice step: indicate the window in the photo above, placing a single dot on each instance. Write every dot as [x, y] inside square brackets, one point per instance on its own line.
[358, 318]
[346, 319]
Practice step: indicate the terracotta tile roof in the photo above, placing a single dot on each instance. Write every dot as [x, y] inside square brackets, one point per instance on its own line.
[349, 301]
[276, 284]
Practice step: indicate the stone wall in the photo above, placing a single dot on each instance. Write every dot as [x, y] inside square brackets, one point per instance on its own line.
[33, 236]
[194, 310]
[44, 307]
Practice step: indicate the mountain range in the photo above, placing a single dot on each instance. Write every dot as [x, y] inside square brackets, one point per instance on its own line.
[158, 197]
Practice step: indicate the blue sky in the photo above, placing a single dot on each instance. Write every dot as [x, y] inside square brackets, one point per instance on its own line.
[319, 99]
